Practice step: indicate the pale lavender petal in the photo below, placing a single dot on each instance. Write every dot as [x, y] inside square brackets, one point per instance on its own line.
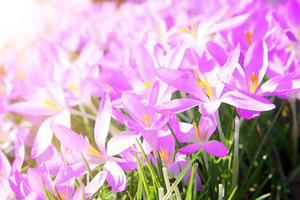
[116, 177]
[95, 183]
[178, 105]
[161, 121]
[103, 122]
[228, 23]
[64, 174]
[247, 101]
[217, 52]
[145, 64]
[175, 57]
[5, 166]
[69, 138]
[43, 138]
[207, 126]
[153, 94]
[215, 148]
[121, 142]
[184, 81]
[256, 61]
[210, 107]
[33, 108]
[79, 194]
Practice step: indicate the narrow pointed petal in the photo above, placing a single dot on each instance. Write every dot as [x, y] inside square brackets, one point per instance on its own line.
[247, 114]
[43, 138]
[184, 81]
[95, 184]
[64, 174]
[210, 107]
[115, 176]
[79, 194]
[217, 52]
[103, 122]
[207, 125]
[247, 101]
[153, 94]
[69, 138]
[121, 142]
[228, 23]
[178, 105]
[215, 148]
[256, 61]
[33, 108]
[145, 64]
[190, 148]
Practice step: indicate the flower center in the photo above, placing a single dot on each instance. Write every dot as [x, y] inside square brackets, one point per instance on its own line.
[204, 84]
[146, 120]
[190, 29]
[73, 88]
[165, 156]
[91, 150]
[2, 71]
[147, 84]
[253, 83]
[51, 104]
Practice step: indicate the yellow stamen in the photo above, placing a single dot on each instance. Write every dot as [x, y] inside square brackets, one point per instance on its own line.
[2, 71]
[147, 84]
[191, 29]
[165, 156]
[249, 37]
[146, 120]
[91, 150]
[204, 84]
[74, 55]
[253, 82]
[197, 133]
[51, 104]
[74, 88]
[185, 30]
[60, 196]
[2, 138]
[290, 47]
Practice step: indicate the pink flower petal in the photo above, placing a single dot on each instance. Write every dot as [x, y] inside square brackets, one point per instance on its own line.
[102, 122]
[215, 148]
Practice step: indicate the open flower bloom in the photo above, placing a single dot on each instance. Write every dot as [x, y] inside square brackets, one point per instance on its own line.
[103, 155]
[207, 91]
[49, 103]
[248, 78]
[172, 160]
[199, 136]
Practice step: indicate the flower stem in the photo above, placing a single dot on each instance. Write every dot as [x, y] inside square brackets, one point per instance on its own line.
[220, 130]
[161, 193]
[235, 167]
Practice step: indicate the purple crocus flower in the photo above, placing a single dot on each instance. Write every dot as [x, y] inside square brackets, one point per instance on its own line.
[172, 160]
[113, 173]
[248, 78]
[207, 91]
[198, 137]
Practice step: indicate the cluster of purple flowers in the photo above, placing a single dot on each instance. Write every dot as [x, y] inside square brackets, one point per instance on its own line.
[59, 58]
